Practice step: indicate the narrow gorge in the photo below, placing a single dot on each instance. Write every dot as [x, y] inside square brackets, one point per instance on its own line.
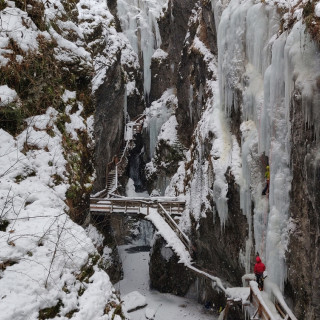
[217, 91]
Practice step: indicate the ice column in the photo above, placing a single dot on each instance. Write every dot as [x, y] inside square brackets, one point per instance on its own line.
[295, 66]
[279, 157]
[138, 20]
[231, 52]
[159, 112]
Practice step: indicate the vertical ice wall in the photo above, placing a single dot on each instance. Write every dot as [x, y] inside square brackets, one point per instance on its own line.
[244, 52]
[266, 68]
[139, 23]
[159, 112]
[294, 70]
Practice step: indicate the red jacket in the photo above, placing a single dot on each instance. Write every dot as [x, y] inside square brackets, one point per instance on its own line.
[259, 267]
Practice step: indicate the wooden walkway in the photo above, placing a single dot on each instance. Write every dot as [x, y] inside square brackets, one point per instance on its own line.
[135, 205]
[260, 305]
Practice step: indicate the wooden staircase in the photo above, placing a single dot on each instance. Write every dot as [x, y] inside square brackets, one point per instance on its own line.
[117, 167]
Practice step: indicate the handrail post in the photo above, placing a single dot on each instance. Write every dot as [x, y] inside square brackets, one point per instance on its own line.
[116, 177]
[107, 173]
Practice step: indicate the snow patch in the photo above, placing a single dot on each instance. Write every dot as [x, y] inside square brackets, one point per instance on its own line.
[95, 236]
[7, 95]
[317, 10]
[160, 54]
[133, 300]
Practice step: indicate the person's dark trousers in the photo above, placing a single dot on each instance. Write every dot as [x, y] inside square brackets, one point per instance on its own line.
[259, 279]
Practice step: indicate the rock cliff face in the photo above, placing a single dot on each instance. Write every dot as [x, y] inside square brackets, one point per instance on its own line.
[211, 240]
[112, 265]
[194, 70]
[190, 66]
[109, 120]
[303, 278]
[164, 268]
[113, 101]
[173, 26]
[267, 116]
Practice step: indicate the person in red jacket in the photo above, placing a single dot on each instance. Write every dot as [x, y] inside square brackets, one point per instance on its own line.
[259, 268]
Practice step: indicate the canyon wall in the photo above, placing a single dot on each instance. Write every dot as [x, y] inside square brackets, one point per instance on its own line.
[247, 97]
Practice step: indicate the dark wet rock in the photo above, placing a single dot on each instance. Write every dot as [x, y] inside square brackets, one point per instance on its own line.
[112, 5]
[166, 274]
[109, 120]
[113, 265]
[211, 239]
[194, 72]
[303, 258]
[173, 26]
[137, 164]
[162, 77]
[138, 249]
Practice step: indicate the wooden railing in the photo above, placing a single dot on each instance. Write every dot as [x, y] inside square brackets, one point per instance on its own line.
[127, 205]
[262, 312]
[279, 302]
[173, 225]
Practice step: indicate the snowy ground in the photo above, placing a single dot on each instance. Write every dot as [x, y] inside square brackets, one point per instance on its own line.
[134, 287]
[164, 306]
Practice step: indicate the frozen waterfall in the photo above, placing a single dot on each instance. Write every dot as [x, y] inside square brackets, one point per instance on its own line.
[139, 23]
[267, 68]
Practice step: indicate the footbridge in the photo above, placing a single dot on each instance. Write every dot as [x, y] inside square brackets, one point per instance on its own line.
[170, 209]
[165, 214]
